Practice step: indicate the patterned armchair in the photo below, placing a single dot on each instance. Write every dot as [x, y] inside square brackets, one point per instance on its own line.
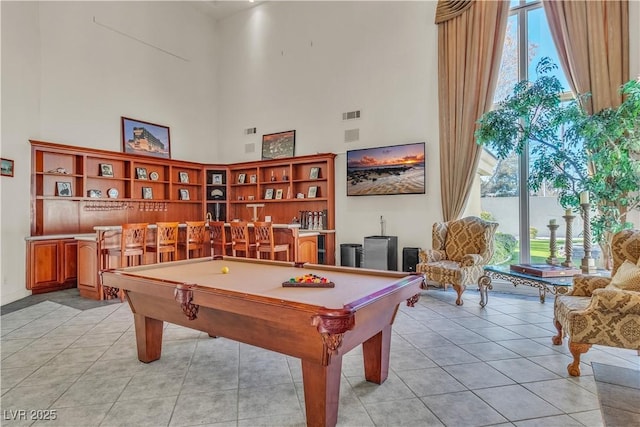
[461, 249]
[603, 310]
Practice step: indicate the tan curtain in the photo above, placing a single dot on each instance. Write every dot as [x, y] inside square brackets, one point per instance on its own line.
[592, 37]
[469, 53]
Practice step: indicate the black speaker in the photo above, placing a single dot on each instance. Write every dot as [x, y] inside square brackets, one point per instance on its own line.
[409, 259]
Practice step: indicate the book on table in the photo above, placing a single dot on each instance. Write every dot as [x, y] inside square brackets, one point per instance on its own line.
[545, 270]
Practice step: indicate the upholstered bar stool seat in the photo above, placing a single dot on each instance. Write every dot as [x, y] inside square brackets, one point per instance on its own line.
[265, 241]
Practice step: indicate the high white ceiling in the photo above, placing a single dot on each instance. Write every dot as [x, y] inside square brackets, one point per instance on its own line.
[218, 9]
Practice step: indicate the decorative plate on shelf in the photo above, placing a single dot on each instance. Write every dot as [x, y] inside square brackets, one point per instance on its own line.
[154, 176]
[112, 193]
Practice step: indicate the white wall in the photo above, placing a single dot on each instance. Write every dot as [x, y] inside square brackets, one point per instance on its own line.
[300, 65]
[68, 79]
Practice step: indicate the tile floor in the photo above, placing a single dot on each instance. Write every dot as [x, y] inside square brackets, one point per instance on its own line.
[450, 365]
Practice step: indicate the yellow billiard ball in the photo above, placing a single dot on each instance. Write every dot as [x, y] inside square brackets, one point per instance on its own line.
[225, 270]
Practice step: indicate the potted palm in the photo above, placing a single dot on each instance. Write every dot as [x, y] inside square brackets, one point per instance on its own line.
[571, 150]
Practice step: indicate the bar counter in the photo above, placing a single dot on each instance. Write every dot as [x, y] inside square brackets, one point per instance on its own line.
[92, 250]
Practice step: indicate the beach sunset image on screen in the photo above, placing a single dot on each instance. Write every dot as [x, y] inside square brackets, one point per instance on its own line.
[397, 169]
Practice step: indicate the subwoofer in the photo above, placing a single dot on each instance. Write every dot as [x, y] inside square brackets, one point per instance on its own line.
[409, 259]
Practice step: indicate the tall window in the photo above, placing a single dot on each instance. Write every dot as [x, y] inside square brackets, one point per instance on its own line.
[506, 194]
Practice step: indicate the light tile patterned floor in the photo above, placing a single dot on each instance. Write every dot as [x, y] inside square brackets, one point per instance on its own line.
[450, 365]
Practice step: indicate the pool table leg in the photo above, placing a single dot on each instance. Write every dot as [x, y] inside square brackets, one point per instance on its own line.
[148, 337]
[376, 356]
[322, 391]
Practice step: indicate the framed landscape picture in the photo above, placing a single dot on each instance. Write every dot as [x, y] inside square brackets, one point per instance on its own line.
[146, 139]
[395, 169]
[268, 194]
[278, 145]
[7, 167]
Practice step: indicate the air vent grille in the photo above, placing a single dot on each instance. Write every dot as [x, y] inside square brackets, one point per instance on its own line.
[351, 115]
[351, 135]
[250, 131]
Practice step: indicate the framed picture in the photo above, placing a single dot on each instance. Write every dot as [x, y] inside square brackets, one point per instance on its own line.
[253, 179]
[216, 178]
[313, 190]
[268, 194]
[314, 173]
[395, 169]
[184, 194]
[279, 193]
[7, 167]
[278, 145]
[106, 169]
[147, 193]
[63, 189]
[94, 193]
[183, 176]
[146, 139]
[141, 173]
[241, 178]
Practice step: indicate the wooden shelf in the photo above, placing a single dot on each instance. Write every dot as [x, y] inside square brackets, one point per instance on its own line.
[85, 171]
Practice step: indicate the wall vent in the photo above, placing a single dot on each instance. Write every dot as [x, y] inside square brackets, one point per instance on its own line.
[249, 131]
[351, 115]
[249, 148]
[351, 135]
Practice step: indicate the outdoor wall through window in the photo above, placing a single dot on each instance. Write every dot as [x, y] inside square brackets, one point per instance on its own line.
[506, 196]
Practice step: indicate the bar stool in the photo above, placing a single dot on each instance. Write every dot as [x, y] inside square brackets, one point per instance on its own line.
[194, 240]
[265, 242]
[166, 241]
[240, 238]
[218, 234]
[132, 248]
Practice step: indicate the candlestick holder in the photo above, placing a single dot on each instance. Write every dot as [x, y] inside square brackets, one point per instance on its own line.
[588, 263]
[552, 260]
[568, 241]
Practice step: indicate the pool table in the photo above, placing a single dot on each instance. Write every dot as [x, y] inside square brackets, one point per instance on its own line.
[250, 304]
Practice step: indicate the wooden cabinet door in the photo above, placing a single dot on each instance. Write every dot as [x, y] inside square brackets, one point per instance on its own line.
[88, 282]
[308, 249]
[69, 265]
[51, 265]
[44, 259]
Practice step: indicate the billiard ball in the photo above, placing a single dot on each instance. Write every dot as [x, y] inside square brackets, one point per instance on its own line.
[225, 270]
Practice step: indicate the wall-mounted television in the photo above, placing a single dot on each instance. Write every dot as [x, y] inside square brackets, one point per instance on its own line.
[395, 169]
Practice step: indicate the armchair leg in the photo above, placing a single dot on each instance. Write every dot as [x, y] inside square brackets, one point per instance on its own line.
[576, 350]
[459, 290]
[557, 339]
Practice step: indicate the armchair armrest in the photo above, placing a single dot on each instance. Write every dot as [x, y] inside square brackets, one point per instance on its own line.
[431, 255]
[583, 285]
[469, 260]
[615, 301]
